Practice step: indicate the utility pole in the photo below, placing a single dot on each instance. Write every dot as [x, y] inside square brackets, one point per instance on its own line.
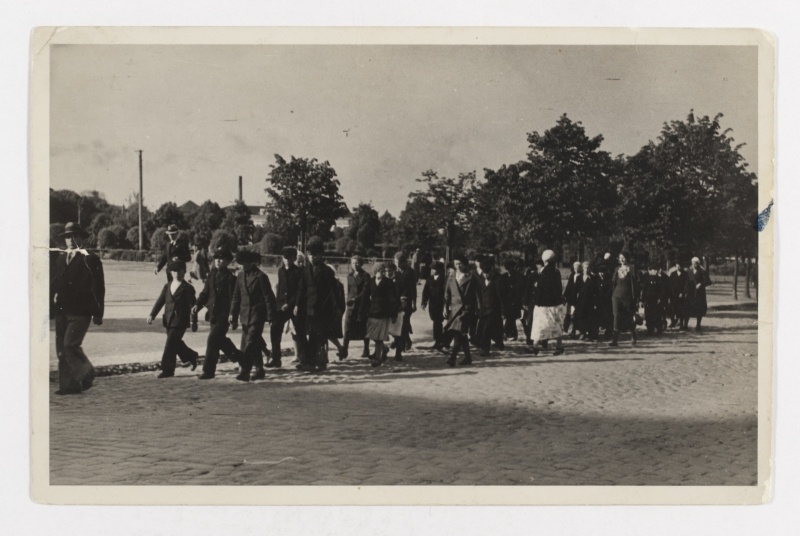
[141, 201]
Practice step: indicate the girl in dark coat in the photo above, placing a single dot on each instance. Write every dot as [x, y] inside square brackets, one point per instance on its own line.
[587, 300]
[382, 304]
[696, 285]
[461, 304]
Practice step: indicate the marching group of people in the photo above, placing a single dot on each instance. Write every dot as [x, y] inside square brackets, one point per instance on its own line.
[469, 304]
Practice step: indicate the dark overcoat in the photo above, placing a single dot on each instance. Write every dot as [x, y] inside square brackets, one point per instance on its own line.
[461, 300]
[698, 303]
[78, 288]
[177, 307]
[318, 298]
[217, 294]
[253, 300]
[433, 297]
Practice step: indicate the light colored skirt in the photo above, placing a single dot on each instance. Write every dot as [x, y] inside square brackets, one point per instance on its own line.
[548, 322]
[378, 329]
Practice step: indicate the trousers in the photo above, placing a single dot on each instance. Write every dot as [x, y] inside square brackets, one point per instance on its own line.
[174, 348]
[75, 371]
[218, 341]
[251, 346]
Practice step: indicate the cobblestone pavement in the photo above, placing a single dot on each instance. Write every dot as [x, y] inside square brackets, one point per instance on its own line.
[675, 410]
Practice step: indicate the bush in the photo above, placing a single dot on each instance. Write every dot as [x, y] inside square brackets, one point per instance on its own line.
[159, 238]
[132, 236]
[106, 238]
[224, 238]
[271, 244]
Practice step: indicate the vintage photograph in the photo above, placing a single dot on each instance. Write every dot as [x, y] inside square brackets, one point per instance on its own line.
[362, 266]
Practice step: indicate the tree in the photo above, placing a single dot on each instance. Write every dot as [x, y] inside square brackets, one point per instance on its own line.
[448, 204]
[365, 226]
[63, 206]
[305, 194]
[158, 239]
[99, 222]
[238, 222]
[690, 192]
[418, 224]
[56, 240]
[169, 214]
[207, 219]
[388, 234]
[568, 186]
[271, 244]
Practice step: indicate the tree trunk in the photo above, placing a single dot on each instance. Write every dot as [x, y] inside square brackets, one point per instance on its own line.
[736, 278]
[747, 276]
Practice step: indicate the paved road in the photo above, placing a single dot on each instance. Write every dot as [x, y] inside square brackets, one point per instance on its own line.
[678, 410]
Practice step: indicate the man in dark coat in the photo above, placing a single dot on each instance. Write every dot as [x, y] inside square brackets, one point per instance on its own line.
[177, 298]
[433, 301]
[653, 299]
[406, 282]
[586, 315]
[571, 294]
[289, 275]
[512, 299]
[253, 305]
[605, 308]
[461, 305]
[216, 297]
[490, 307]
[317, 303]
[678, 281]
[696, 285]
[77, 297]
[355, 321]
[174, 250]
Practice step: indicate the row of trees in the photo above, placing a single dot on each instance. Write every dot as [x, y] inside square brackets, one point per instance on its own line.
[688, 192]
[117, 227]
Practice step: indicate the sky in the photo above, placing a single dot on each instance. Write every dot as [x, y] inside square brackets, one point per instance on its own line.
[380, 114]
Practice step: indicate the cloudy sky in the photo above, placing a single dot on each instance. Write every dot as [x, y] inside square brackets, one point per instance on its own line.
[381, 115]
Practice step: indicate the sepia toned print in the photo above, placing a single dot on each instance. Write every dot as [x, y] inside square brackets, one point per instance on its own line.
[419, 269]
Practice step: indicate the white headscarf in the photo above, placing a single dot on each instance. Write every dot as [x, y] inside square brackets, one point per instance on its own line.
[548, 255]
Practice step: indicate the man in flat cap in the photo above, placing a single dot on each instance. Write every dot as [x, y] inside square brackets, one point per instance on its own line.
[174, 250]
[77, 296]
[216, 297]
[253, 305]
[289, 275]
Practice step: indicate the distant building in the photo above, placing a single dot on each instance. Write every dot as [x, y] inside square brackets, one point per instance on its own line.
[189, 207]
[258, 213]
[343, 223]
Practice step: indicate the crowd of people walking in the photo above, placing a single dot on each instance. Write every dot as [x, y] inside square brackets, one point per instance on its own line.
[470, 303]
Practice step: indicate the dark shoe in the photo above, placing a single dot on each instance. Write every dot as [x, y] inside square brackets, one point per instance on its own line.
[342, 355]
[393, 345]
[533, 350]
[375, 362]
[558, 351]
[543, 344]
[322, 368]
[365, 354]
[385, 355]
[305, 368]
[165, 375]
[206, 376]
[243, 377]
[398, 358]
[87, 384]
[485, 353]
[236, 356]
[500, 347]
[451, 362]
[613, 343]
[274, 364]
[465, 362]
[68, 392]
[260, 374]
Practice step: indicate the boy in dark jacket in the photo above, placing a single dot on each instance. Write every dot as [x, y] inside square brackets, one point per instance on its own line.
[289, 275]
[253, 305]
[490, 307]
[653, 296]
[177, 298]
[216, 297]
[433, 301]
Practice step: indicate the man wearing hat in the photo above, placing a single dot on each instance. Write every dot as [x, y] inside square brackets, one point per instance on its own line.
[697, 281]
[653, 298]
[317, 303]
[77, 296]
[406, 280]
[174, 250]
[678, 280]
[253, 305]
[216, 297]
[286, 298]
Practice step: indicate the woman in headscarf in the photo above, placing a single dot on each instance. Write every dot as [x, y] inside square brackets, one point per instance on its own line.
[696, 285]
[461, 305]
[624, 298]
[548, 311]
